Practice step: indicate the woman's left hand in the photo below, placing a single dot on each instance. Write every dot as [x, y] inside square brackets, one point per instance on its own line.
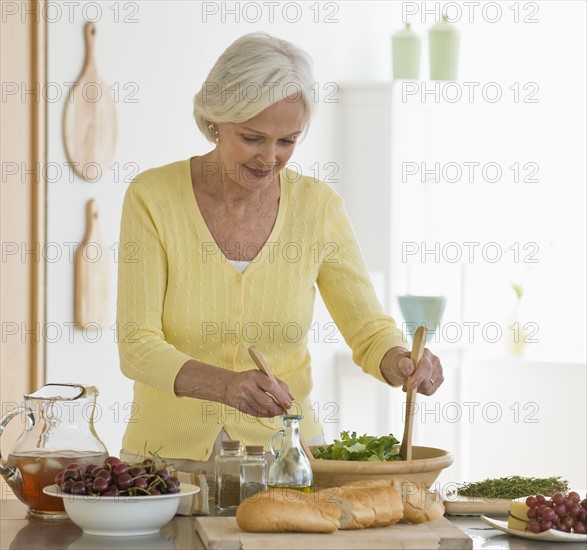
[397, 366]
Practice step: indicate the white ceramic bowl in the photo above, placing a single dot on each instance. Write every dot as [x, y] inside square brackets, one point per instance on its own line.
[121, 516]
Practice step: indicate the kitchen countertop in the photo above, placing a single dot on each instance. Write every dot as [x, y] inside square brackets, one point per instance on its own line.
[19, 532]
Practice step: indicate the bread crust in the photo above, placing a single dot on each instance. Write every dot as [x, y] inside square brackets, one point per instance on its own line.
[373, 507]
[420, 505]
[287, 510]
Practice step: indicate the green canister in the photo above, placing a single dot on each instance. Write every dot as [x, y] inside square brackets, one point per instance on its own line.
[405, 46]
[443, 43]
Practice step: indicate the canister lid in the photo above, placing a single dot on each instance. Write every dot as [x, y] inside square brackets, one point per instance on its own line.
[406, 32]
[231, 445]
[443, 26]
[254, 449]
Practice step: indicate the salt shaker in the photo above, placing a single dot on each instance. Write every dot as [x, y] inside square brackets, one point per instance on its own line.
[227, 467]
[253, 475]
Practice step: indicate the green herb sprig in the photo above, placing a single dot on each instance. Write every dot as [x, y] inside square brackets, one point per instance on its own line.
[514, 487]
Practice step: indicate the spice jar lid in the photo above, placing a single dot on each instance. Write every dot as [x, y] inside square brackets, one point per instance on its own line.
[254, 449]
[231, 444]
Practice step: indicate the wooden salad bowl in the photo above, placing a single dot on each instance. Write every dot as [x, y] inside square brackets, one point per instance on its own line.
[425, 467]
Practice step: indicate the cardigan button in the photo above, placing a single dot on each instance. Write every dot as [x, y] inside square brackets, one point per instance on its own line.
[220, 420]
[239, 278]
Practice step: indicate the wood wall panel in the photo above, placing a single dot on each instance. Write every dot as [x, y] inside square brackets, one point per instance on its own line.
[22, 209]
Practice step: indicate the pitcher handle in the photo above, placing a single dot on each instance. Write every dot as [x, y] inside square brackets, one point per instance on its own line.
[30, 422]
[271, 445]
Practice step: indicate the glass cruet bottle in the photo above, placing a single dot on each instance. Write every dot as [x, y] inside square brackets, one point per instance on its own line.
[291, 468]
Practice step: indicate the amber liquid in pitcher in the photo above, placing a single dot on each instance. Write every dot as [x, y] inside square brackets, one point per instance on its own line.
[38, 470]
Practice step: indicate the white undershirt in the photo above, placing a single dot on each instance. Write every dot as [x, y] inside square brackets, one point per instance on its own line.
[240, 265]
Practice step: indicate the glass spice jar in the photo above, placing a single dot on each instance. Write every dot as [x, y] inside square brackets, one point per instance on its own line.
[227, 468]
[253, 474]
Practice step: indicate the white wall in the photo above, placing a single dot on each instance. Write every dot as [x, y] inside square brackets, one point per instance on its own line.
[164, 57]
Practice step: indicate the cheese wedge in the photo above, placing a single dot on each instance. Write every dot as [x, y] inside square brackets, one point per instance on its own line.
[518, 514]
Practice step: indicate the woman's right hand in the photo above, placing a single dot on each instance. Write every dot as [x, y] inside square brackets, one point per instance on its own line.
[252, 392]
[249, 391]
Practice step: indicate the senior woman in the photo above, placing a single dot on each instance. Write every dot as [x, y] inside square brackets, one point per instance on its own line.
[226, 249]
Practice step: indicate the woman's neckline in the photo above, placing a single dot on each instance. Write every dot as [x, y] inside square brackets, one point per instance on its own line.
[210, 250]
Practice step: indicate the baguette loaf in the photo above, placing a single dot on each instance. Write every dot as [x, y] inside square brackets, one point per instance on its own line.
[283, 510]
[356, 505]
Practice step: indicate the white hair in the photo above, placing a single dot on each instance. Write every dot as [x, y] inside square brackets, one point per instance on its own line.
[254, 72]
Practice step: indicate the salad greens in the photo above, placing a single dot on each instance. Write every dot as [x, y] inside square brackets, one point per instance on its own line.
[364, 447]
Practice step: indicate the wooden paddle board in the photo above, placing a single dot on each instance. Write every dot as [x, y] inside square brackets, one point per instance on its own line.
[223, 533]
[89, 125]
[92, 274]
[476, 506]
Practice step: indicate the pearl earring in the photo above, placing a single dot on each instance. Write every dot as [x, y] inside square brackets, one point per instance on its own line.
[213, 131]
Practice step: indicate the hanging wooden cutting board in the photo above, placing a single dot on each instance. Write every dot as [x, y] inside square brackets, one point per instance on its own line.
[89, 125]
[92, 274]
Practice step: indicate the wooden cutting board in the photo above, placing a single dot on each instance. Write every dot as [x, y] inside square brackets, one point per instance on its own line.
[222, 533]
[476, 506]
[89, 123]
[92, 268]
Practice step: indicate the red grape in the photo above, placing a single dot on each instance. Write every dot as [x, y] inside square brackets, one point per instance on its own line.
[545, 525]
[79, 488]
[163, 474]
[574, 511]
[549, 515]
[100, 485]
[71, 474]
[141, 483]
[568, 521]
[112, 461]
[120, 469]
[104, 474]
[137, 471]
[124, 481]
[560, 510]
[558, 498]
[569, 503]
[580, 528]
[531, 501]
[534, 526]
[540, 499]
[574, 496]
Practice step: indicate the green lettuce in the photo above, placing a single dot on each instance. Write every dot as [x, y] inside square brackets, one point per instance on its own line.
[364, 447]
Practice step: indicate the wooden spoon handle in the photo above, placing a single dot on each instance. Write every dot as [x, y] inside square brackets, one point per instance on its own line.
[264, 367]
[418, 348]
[261, 363]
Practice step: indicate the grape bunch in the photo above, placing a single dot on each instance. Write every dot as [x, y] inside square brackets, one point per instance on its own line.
[117, 478]
[563, 512]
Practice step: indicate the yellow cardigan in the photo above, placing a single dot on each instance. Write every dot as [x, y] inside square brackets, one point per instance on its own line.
[180, 298]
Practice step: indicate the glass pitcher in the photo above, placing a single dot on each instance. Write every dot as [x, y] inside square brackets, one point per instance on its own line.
[59, 430]
[291, 468]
